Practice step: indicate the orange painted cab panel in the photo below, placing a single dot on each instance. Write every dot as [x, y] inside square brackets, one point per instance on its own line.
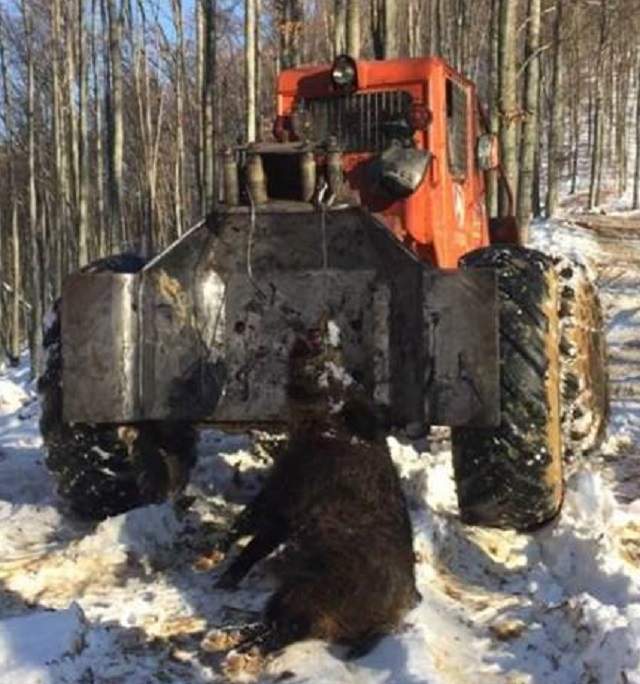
[445, 217]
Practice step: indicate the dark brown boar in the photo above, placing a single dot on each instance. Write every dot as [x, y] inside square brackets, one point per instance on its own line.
[335, 502]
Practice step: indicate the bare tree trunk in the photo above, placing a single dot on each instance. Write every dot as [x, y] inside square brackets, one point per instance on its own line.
[461, 35]
[17, 287]
[443, 28]
[102, 242]
[140, 78]
[537, 174]
[622, 102]
[209, 117]
[391, 42]
[377, 28]
[636, 177]
[83, 184]
[116, 123]
[180, 191]
[556, 118]
[259, 73]
[509, 112]
[576, 100]
[297, 33]
[412, 27]
[66, 244]
[59, 138]
[353, 28]
[250, 68]
[494, 111]
[339, 26]
[530, 127]
[608, 109]
[200, 90]
[150, 131]
[435, 26]
[595, 187]
[72, 143]
[37, 358]
[290, 17]
[598, 125]
[385, 29]
[14, 341]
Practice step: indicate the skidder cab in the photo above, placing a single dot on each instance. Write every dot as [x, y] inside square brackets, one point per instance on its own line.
[363, 226]
[400, 138]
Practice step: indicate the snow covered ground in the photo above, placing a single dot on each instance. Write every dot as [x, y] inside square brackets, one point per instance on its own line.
[132, 601]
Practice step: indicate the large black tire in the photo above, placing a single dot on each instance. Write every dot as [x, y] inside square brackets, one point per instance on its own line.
[585, 398]
[103, 470]
[511, 476]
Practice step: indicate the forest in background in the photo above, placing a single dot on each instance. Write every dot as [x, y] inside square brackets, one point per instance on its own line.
[113, 113]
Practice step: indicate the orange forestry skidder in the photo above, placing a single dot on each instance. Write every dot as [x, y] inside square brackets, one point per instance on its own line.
[362, 226]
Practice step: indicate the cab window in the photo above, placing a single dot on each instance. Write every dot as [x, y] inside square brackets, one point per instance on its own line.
[457, 148]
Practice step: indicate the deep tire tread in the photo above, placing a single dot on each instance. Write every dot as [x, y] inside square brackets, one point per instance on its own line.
[511, 476]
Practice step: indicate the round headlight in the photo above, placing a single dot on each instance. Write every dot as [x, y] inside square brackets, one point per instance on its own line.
[343, 72]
